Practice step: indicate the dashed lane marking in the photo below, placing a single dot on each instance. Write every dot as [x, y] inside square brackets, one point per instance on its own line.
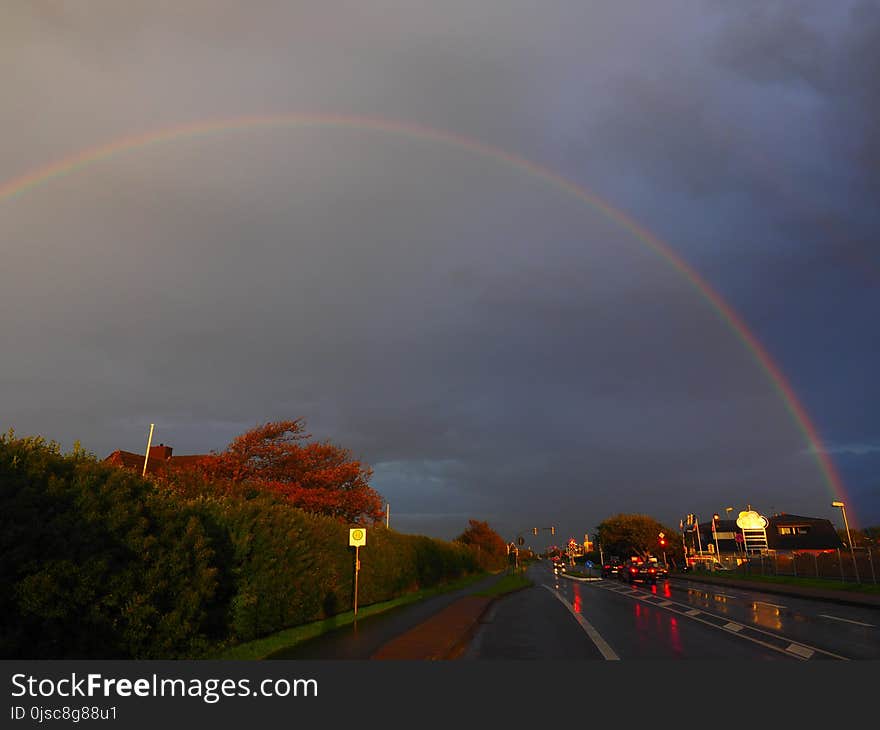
[768, 639]
[847, 620]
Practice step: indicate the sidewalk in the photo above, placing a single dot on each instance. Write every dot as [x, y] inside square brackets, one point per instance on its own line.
[443, 636]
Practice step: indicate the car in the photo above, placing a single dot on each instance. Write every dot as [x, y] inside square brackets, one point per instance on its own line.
[662, 570]
[611, 569]
[636, 571]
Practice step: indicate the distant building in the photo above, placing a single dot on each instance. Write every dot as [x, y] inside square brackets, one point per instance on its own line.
[784, 532]
[160, 462]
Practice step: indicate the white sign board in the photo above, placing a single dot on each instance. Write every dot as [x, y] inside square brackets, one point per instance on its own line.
[357, 537]
[751, 520]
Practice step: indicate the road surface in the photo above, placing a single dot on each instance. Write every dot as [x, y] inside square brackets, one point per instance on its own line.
[609, 620]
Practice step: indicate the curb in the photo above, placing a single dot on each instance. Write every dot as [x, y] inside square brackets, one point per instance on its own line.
[582, 580]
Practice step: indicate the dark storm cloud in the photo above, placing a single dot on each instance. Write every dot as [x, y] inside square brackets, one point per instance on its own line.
[494, 347]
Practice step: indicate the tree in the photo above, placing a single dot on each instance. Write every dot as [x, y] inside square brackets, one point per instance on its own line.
[631, 534]
[490, 546]
[317, 477]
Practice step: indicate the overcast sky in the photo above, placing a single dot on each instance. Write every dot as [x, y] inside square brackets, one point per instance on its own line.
[494, 347]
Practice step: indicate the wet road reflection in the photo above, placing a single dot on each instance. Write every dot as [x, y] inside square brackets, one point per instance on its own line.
[766, 615]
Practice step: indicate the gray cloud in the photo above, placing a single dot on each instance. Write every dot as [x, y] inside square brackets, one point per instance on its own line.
[494, 346]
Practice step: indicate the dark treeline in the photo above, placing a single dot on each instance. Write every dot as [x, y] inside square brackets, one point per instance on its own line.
[96, 562]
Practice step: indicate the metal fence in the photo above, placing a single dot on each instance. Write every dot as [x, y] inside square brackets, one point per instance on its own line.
[842, 565]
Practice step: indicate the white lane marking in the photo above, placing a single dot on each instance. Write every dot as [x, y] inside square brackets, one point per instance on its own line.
[799, 650]
[764, 603]
[665, 603]
[732, 626]
[848, 620]
[594, 635]
[725, 595]
[693, 613]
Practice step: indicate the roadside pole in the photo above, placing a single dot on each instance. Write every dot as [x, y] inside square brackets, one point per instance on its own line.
[357, 537]
[147, 455]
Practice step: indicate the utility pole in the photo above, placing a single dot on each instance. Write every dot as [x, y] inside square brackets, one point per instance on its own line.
[147, 455]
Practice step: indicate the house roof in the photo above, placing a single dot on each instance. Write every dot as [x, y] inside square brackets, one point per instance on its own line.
[135, 462]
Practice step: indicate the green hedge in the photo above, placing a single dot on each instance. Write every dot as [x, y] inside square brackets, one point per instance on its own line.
[96, 562]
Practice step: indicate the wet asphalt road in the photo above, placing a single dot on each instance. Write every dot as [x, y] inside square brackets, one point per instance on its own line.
[608, 620]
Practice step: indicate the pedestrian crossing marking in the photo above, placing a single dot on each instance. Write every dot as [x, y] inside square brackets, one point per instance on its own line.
[800, 650]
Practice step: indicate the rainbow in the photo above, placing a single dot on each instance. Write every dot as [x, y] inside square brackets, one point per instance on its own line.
[80, 160]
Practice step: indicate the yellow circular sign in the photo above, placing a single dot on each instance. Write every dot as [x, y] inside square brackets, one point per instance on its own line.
[358, 534]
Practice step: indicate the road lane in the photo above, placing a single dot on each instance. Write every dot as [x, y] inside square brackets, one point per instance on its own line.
[534, 624]
[639, 630]
[530, 624]
[850, 631]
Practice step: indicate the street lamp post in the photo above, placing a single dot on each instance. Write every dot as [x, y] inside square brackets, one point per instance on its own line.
[848, 538]
[715, 519]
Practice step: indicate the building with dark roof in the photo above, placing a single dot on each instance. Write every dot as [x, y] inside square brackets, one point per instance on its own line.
[784, 532]
[160, 462]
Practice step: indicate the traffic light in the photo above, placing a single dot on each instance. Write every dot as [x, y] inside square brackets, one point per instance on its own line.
[662, 542]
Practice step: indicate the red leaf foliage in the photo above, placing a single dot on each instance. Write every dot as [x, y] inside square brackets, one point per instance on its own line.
[314, 476]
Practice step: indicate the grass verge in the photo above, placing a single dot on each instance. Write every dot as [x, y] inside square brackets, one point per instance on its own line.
[507, 584]
[791, 580]
[261, 648]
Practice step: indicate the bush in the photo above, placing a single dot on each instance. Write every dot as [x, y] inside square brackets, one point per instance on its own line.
[96, 562]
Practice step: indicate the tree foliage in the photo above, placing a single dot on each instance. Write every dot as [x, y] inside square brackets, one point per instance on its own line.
[490, 546]
[317, 477]
[628, 535]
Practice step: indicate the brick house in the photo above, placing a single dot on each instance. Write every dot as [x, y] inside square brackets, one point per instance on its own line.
[160, 462]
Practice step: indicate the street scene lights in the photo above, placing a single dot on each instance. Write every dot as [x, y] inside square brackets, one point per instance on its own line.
[848, 538]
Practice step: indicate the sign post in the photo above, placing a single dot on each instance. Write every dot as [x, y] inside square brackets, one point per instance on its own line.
[357, 536]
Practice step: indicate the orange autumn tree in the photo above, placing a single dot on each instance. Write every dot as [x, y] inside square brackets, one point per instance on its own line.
[314, 476]
[489, 545]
